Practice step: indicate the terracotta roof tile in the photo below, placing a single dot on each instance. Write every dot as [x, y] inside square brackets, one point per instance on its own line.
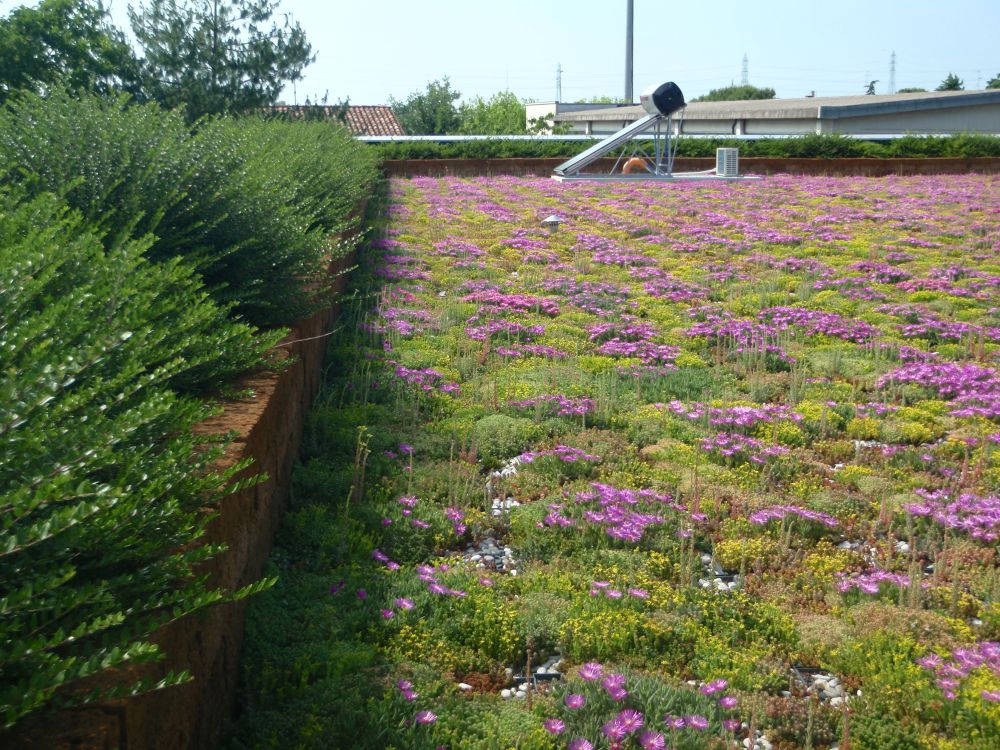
[373, 120]
[367, 119]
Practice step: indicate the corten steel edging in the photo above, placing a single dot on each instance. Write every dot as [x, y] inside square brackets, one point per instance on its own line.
[542, 167]
[268, 428]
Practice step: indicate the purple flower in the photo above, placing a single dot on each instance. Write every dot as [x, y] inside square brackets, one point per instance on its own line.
[403, 603]
[613, 730]
[730, 725]
[580, 743]
[652, 741]
[554, 726]
[591, 671]
[617, 693]
[696, 722]
[388, 614]
[426, 717]
[613, 681]
[362, 594]
[336, 587]
[575, 700]
[728, 702]
[630, 720]
[406, 449]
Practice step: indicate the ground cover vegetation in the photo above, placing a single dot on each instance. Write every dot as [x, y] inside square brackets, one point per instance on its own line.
[710, 463]
[143, 268]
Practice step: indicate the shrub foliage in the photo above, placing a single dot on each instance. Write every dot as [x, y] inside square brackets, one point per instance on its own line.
[133, 253]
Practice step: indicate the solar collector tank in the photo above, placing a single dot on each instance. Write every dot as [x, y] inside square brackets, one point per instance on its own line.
[664, 99]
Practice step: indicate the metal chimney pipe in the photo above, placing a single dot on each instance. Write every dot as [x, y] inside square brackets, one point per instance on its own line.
[628, 51]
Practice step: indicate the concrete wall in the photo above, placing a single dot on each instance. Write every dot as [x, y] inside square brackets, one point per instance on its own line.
[981, 119]
[268, 429]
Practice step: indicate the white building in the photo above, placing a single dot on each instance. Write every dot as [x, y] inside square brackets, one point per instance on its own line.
[934, 112]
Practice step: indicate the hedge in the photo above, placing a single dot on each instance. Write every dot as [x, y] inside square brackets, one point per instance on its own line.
[251, 205]
[809, 146]
[137, 260]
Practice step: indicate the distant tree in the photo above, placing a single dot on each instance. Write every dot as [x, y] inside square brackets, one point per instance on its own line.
[736, 93]
[912, 90]
[431, 112]
[602, 100]
[951, 83]
[501, 114]
[217, 56]
[870, 91]
[547, 125]
[994, 83]
[69, 40]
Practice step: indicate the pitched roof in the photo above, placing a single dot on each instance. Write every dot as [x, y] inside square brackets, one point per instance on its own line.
[830, 107]
[360, 119]
[373, 119]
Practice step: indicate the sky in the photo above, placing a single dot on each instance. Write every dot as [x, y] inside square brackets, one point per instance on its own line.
[371, 50]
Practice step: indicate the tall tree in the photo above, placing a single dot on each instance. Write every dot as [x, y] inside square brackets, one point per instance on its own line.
[951, 83]
[431, 112]
[736, 93]
[217, 56]
[72, 41]
[501, 114]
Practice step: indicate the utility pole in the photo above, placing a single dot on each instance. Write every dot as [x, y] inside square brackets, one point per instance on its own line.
[558, 82]
[892, 73]
[745, 80]
[629, 12]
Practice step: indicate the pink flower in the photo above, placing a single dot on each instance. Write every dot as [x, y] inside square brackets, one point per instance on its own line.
[580, 743]
[652, 741]
[696, 722]
[388, 614]
[728, 701]
[618, 693]
[554, 726]
[404, 684]
[575, 700]
[630, 720]
[410, 696]
[426, 717]
[486, 582]
[613, 730]
[714, 686]
[403, 603]
[591, 671]
[639, 593]
[730, 725]
[613, 681]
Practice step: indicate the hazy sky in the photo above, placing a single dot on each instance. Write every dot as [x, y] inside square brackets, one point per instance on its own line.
[369, 50]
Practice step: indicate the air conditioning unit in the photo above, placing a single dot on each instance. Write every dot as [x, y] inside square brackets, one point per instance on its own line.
[727, 162]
